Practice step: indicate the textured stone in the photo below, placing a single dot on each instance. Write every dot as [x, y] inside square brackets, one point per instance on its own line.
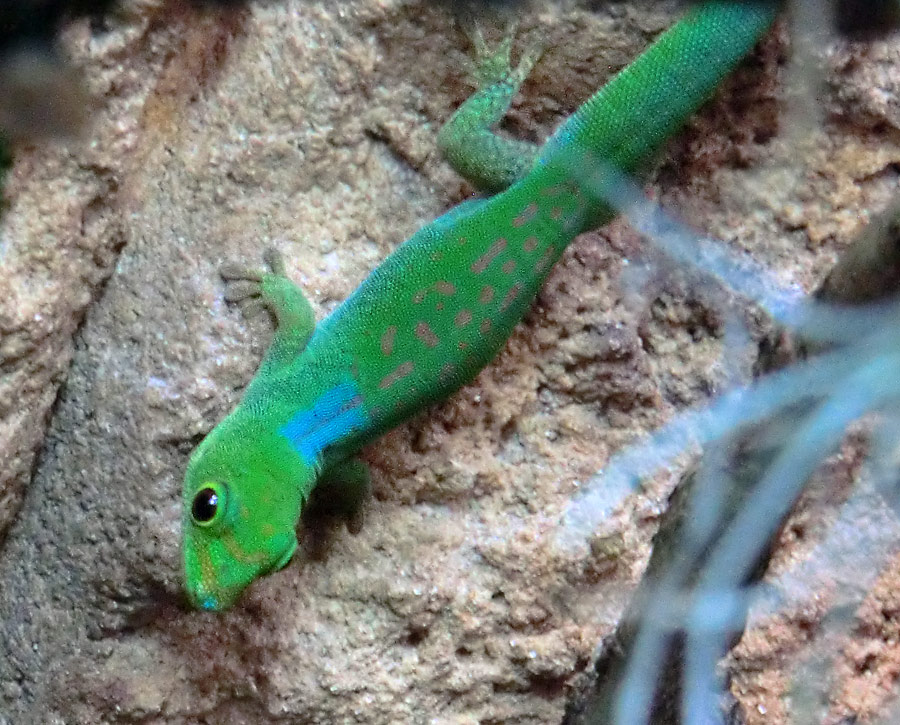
[310, 126]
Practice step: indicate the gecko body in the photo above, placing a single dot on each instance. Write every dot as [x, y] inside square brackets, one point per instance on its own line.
[438, 309]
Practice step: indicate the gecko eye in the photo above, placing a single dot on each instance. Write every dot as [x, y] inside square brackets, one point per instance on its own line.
[208, 505]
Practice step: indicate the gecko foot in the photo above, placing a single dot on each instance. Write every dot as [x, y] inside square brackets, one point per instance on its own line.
[469, 140]
[245, 286]
[257, 291]
[494, 65]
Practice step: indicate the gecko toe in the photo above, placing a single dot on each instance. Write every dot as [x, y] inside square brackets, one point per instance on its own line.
[251, 307]
[241, 289]
[355, 521]
[234, 271]
[493, 64]
[273, 258]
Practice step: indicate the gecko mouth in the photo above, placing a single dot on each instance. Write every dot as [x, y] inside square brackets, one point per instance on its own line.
[284, 559]
[219, 598]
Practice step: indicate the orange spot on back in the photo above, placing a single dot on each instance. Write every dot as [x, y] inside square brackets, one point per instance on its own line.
[511, 295]
[481, 264]
[387, 340]
[426, 334]
[463, 318]
[398, 373]
[544, 261]
[526, 215]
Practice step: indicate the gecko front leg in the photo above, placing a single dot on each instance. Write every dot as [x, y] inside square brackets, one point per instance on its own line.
[256, 291]
[343, 489]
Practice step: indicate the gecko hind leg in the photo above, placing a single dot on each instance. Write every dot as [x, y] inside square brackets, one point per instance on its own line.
[256, 291]
[468, 140]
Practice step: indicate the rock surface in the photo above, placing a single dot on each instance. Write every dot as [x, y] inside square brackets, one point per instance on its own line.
[310, 126]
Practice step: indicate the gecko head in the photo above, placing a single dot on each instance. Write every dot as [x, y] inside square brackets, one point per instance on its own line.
[240, 506]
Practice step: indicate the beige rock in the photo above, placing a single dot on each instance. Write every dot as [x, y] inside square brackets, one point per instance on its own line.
[310, 126]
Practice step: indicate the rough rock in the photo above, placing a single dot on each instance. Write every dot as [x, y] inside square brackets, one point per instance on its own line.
[310, 126]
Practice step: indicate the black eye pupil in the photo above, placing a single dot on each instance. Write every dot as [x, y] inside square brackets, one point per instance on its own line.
[206, 502]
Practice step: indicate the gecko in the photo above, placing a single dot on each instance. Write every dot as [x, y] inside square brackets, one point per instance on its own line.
[440, 307]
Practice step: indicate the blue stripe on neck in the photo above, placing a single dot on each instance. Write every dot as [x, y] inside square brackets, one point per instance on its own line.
[334, 415]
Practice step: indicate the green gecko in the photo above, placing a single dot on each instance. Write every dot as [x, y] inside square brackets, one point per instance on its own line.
[439, 308]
